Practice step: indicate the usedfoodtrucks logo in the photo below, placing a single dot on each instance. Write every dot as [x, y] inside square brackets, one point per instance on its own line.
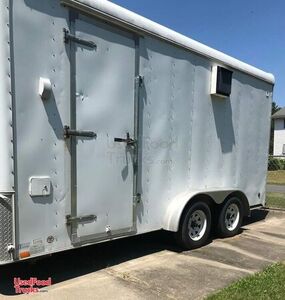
[32, 285]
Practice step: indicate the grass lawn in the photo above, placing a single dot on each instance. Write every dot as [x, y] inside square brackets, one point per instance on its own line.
[269, 284]
[276, 177]
[275, 200]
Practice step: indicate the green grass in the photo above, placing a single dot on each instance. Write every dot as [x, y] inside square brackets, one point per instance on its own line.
[276, 177]
[269, 284]
[275, 200]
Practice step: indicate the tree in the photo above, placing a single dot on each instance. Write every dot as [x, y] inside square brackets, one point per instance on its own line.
[275, 108]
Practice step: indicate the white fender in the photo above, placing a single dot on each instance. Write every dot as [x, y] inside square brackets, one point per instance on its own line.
[177, 205]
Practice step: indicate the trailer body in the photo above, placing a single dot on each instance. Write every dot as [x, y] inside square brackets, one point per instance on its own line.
[108, 127]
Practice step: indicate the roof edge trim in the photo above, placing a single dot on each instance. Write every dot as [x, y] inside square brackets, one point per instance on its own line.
[115, 13]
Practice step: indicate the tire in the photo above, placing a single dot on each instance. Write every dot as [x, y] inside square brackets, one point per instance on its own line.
[195, 226]
[230, 217]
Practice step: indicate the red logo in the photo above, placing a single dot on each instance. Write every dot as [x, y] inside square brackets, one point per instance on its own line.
[29, 286]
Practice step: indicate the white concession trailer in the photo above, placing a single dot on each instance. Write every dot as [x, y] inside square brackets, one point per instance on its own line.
[112, 125]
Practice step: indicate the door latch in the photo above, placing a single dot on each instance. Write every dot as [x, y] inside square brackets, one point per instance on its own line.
[70, 132]
[128, 140]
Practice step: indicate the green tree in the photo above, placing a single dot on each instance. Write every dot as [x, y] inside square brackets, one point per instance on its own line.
[275, 108]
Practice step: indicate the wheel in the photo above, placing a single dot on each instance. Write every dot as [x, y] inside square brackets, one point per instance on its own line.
[195, 226]
[230, 217]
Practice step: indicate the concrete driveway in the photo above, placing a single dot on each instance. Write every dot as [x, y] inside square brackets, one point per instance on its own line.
[274, 188]
[151, 267]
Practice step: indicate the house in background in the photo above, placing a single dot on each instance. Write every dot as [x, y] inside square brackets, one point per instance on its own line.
[279, 132]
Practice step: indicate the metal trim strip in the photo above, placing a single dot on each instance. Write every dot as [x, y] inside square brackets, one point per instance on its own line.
[118, 15]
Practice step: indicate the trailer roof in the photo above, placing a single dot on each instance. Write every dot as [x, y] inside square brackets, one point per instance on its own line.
[280, 114]
[111, 11]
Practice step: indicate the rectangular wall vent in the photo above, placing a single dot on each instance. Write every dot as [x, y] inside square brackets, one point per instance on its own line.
[221, 84]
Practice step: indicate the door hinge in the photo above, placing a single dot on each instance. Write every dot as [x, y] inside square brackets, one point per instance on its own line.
[71, 132]
[70, 37]
[140, 80]
[83, 219]
[138, 198]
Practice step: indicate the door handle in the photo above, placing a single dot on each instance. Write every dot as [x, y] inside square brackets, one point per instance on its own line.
[71, 132]
[128, 140]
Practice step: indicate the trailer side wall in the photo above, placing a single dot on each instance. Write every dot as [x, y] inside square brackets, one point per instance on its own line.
[39, 51]
[195, 141]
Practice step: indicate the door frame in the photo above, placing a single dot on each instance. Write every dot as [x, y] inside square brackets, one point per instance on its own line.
[72, 220]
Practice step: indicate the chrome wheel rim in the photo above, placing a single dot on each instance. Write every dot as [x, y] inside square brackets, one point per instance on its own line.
[197, 225]
[232, 217]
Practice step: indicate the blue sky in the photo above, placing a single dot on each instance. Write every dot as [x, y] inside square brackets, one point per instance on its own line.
[250, 30]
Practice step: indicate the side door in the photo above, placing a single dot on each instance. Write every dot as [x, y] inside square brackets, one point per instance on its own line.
[104, 150]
